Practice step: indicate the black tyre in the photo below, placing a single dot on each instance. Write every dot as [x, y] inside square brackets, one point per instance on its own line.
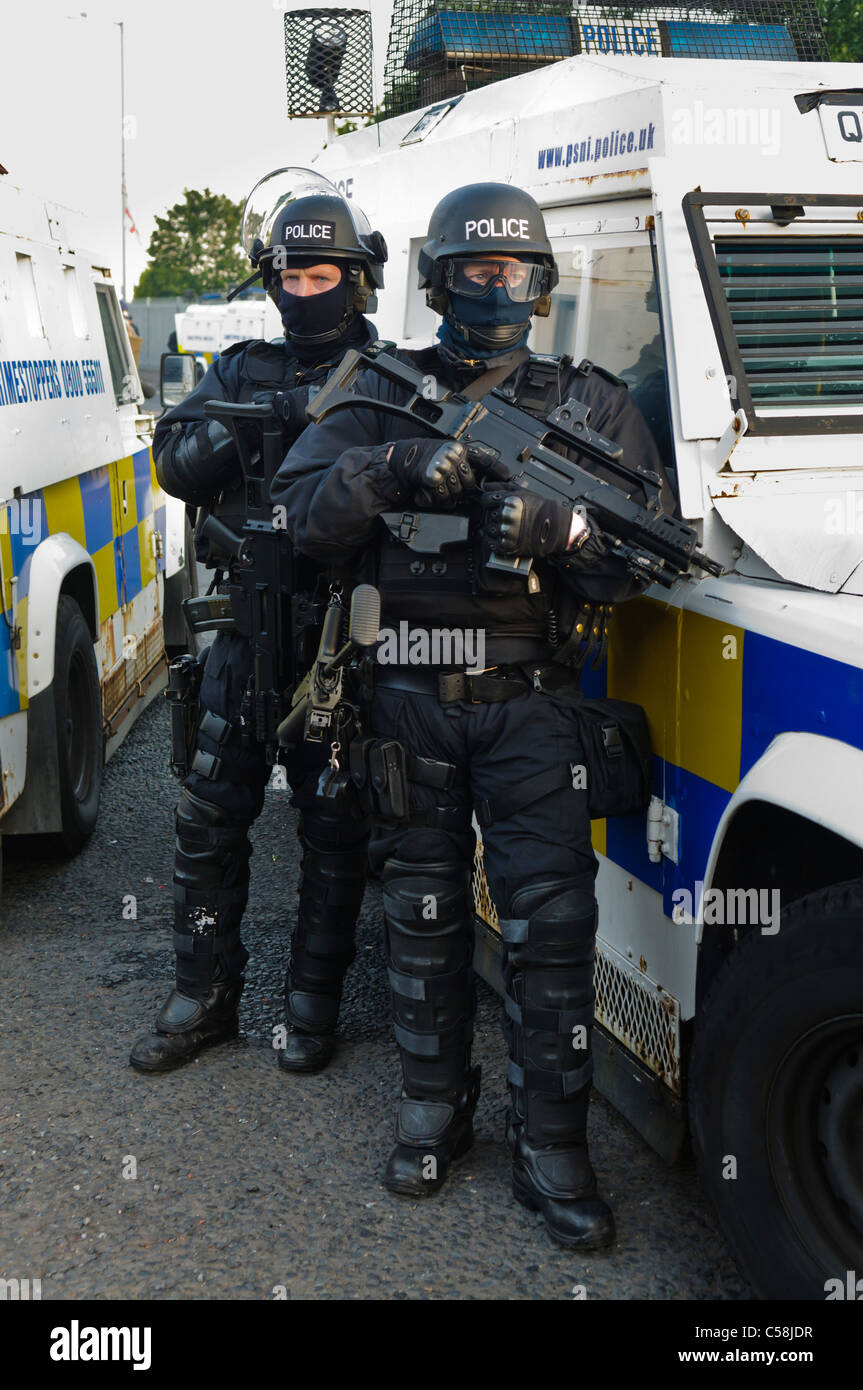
[78, 705]
[776, 1083]
[182, 585]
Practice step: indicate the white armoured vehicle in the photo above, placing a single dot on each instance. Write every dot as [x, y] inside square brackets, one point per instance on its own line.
[707, 217]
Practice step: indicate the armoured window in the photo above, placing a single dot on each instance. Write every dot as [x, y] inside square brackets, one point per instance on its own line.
[607, 309]
[557, 333]
[116, 356]
[624, 333]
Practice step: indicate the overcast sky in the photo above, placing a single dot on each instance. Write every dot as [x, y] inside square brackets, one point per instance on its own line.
[205, 104]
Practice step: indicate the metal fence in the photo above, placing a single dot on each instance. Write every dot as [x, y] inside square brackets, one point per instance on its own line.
[441, 48]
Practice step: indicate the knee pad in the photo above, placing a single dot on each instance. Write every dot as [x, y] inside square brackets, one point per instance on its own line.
[428, 915]
[209, 849]
[333, 834]
[552, 921]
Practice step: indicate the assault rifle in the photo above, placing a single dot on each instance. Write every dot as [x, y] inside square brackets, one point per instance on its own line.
[260, 563]
[511, 446]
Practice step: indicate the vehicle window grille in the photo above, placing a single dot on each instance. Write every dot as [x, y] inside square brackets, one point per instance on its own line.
[796, 306]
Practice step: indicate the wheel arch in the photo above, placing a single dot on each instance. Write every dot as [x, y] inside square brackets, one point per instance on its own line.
[794, 824]
[60, 565]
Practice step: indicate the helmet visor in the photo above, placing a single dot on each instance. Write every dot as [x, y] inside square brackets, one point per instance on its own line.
[477, 276]
[269, 197]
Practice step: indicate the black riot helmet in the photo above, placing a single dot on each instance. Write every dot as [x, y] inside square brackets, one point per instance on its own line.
[295, 216]
[485, 220]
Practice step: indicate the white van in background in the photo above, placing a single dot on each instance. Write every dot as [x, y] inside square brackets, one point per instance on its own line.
[205, 330]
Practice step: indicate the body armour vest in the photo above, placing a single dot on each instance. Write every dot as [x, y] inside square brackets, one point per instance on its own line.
[522, 621]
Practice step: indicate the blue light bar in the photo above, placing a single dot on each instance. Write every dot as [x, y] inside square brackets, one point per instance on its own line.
[460, 35]
[683, 38]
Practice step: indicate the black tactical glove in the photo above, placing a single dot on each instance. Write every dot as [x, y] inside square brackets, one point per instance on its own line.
[523, 523]
[289, 406]
[435, 473]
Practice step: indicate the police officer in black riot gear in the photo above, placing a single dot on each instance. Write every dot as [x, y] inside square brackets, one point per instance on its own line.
[321, 264]
[501, 741]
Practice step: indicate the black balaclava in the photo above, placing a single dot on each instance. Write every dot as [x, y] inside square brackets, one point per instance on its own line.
[312, 321]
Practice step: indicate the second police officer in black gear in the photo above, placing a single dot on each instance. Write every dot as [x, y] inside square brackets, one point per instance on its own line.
[321, 265]
[510, 734]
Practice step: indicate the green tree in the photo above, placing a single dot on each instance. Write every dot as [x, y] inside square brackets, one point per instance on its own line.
[843, 25]
[195, 247]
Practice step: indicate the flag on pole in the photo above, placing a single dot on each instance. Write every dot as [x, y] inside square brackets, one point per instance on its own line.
[132, 228]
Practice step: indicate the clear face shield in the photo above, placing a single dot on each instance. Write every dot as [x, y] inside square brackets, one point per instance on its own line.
[270, 194]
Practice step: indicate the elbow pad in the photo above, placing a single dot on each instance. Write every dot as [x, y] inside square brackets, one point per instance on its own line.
[197, 464]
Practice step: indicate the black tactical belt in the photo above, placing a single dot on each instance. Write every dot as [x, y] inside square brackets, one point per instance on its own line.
[455, 687]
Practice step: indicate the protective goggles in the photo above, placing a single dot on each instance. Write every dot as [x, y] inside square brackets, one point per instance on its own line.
[477, 276]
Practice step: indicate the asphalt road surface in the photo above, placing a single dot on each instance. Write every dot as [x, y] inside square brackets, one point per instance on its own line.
[229, 1179]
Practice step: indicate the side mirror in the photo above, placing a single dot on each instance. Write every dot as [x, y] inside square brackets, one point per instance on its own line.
[179, 373]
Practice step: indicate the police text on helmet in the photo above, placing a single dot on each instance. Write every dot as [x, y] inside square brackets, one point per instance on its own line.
[309, 231]
[514, 227]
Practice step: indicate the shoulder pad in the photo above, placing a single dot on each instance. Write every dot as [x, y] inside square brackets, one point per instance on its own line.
[585, 368]
[544, 359]
[380, 345]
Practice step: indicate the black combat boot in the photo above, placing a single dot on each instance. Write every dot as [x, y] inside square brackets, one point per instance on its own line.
[310, 1040]
[211, 878]
[184, 1027]
[331, 893]
[560, 1183]
[430, 1135]
[547, 1022]
[429, 930]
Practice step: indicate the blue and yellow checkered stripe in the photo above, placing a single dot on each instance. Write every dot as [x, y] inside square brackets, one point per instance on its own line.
[89, 508]
[715, 696]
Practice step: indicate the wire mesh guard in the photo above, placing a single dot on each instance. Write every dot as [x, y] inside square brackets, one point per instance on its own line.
[328, 62]
[441, 48]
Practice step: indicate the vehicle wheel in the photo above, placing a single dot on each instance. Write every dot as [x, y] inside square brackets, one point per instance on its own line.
[78, 704]
[182, 585]
[776, 1083]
